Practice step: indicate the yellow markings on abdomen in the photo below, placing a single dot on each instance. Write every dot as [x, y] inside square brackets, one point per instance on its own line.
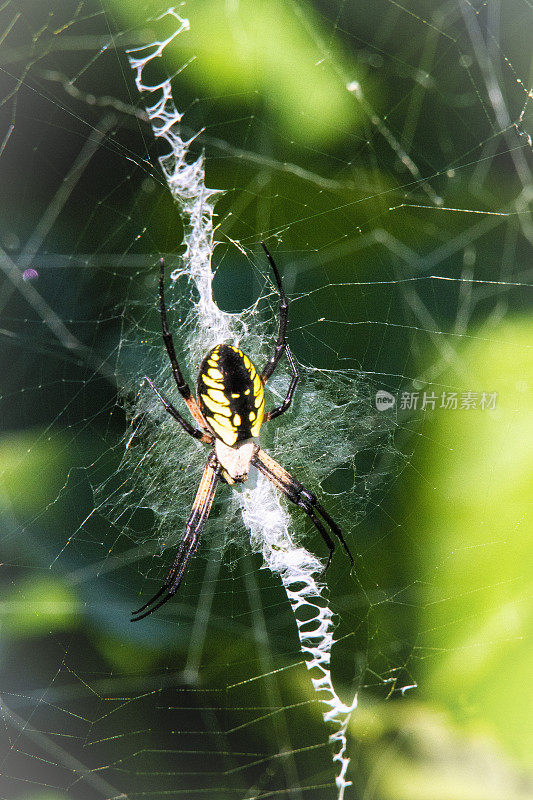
[218, 396]
[215, 374]
[212, 384]
[228, 434]
[224, 421]
[259, 421]
[216, 408]
[231, 394]
[259, 399]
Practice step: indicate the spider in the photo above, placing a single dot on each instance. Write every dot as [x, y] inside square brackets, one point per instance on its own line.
[229, 411]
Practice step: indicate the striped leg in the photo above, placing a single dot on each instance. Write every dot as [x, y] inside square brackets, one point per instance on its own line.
[195, 524]
[300, 496]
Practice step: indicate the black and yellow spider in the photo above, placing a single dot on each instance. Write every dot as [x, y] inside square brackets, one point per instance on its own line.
[230, 410]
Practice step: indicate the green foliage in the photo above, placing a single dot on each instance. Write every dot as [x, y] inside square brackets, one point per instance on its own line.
[411, 751]
[33, 467]
[38, 606]
[46, 795]
[274, 50]
[473, 543]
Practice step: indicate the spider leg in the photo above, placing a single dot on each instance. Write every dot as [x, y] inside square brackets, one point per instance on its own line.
[195, 524]
[181, 383]
[318, 525]
[187, 427]
[292, 386]
[281, 342]
[300, 496]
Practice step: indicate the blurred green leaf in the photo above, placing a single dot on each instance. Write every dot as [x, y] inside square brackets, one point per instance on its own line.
[33, 467]
[37, 606]
[126, 657]
[408, 751]
[44, 796]
[274, 50]
[475, 544]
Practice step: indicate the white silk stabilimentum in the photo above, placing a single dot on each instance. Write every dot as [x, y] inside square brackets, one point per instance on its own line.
[262, 512]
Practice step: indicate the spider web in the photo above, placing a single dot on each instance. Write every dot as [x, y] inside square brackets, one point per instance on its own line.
[400, 220]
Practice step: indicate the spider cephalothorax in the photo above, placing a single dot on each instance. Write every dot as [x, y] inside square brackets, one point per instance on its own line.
[229, 412]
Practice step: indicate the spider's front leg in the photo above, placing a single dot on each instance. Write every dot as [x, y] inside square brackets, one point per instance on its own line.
[292, 386]
[181, 383]
[195, 524]
[187, 427]
[281, 342]
[281, 345]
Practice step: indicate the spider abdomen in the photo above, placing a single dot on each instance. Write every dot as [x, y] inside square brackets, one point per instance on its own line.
[230, 394]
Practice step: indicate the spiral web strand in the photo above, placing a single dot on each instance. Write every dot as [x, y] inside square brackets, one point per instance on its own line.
[262, 512]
